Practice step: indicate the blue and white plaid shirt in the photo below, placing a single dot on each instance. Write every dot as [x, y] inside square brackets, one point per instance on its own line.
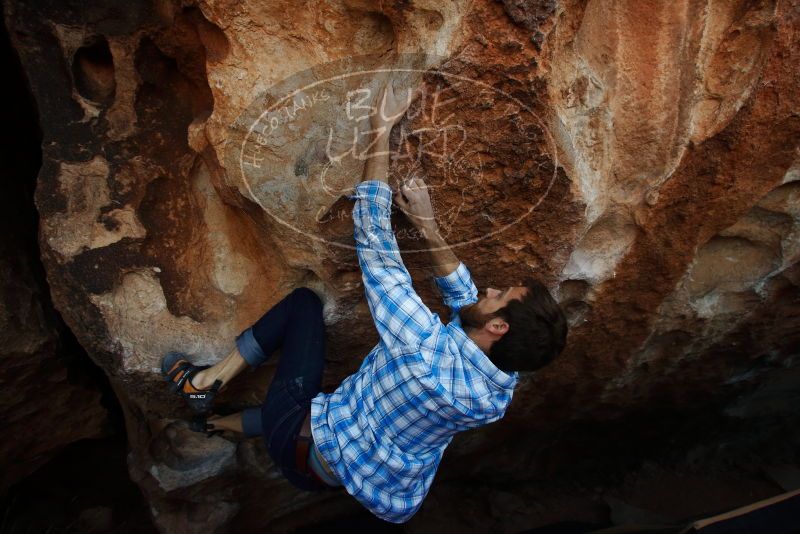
[384, 430]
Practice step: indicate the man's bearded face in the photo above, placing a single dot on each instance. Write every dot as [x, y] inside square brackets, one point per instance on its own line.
[478, 314]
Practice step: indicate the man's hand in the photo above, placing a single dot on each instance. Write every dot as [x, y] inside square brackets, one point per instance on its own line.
[415, 201]
[390, 108]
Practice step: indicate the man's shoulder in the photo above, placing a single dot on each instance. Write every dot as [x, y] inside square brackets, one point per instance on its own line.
[431, 336]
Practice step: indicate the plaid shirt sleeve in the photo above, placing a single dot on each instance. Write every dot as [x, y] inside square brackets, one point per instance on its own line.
[457, 288]
[401, 318]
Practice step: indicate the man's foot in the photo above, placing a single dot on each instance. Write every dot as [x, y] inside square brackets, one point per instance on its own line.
[178, 371]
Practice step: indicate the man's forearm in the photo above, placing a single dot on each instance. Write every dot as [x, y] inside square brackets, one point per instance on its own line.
[443, 260]
[377, 166]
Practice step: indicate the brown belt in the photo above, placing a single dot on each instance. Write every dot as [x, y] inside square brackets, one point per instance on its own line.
[304, 442]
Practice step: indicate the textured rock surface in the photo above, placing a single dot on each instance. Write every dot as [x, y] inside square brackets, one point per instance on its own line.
[46, 403]
[657, 142]
[47, 398]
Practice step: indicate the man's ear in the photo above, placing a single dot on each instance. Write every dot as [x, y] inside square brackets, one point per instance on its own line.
[497, 326]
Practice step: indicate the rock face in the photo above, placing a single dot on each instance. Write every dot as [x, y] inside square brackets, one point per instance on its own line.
[640, 157]
[47, 399]
[45, 403]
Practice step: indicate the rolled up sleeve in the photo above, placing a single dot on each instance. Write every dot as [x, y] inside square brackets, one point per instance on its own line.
[457, 288]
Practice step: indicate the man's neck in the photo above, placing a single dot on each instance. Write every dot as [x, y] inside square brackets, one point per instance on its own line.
[479, 338]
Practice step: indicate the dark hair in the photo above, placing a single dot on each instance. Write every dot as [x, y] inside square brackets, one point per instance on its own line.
[537, 331]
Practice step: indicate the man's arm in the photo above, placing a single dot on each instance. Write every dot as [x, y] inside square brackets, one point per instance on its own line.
[390, 108]
[377, 166]
[452, 276]
[414, 199]
[400, 316]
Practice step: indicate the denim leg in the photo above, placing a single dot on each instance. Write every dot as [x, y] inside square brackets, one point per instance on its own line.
[303, 350]
[249, 348]
[297, 380]
[270, 332]
[251, 422]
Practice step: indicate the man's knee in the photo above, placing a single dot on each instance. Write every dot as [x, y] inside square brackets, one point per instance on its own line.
[306, 299]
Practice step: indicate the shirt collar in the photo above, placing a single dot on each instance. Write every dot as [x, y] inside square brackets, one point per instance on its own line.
[478, 358]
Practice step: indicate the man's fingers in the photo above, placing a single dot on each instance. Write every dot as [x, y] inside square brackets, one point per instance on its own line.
[400, 200]
[418, 185]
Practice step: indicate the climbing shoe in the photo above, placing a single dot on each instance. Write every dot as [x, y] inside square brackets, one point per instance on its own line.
[178, 371]
[201, 424]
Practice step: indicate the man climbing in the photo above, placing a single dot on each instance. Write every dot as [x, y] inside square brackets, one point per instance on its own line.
[381, 434]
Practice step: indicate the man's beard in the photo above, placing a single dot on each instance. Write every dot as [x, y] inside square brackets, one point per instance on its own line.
[472, 318]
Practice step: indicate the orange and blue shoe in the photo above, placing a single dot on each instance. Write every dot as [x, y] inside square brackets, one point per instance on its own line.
[178, 371]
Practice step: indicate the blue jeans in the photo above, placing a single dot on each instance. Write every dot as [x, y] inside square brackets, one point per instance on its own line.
[295, 326]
